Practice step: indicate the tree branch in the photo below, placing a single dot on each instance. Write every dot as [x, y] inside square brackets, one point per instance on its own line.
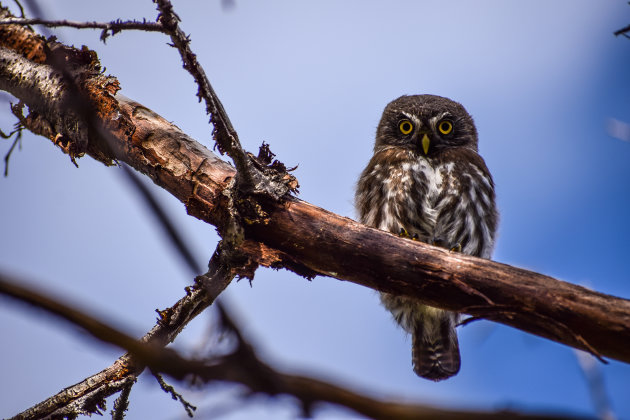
[312, 241]
[108, 28]
[623, 31]
[242, 365]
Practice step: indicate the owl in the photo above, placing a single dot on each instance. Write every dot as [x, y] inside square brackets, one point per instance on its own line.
[426, 181]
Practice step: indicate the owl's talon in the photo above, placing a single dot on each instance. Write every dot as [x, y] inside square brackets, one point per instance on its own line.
[457, 248]
[438, 242]
[405, 234]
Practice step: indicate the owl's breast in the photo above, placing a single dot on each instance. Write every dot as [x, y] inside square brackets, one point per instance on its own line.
[405, 191]
[431, 188]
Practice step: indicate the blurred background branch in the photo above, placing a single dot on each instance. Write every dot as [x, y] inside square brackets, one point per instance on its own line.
[241, 365]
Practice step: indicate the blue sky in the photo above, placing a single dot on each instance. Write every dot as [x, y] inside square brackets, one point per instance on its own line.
[541, 79]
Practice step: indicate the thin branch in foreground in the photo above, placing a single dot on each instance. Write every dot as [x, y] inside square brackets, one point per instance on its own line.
[98, 329]
[85, 396]
[243, 366]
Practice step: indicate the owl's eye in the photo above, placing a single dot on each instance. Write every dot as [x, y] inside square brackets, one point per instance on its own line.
[405, 127]
[445, 127]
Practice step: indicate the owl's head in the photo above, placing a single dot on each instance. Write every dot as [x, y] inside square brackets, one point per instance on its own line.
[426, 124]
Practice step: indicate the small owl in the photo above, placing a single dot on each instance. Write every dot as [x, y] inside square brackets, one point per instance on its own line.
[426, 181]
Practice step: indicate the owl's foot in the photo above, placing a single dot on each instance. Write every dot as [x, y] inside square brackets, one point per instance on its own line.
[457, 248]
[404, 234]
[443, 244]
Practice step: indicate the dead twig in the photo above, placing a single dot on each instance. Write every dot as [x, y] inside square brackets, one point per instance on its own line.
[122, 402]
[108, 28]
[190, 409]
[272, 182]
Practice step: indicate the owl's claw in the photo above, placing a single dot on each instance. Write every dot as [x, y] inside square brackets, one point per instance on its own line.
[404, 234]
[443, 244]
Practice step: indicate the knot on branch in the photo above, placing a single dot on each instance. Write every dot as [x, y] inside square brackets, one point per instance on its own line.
[262, 179]
[266, 176]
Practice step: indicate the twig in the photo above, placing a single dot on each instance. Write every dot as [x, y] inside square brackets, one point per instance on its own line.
[251, 178]
[122, 402]
[190, 409]
[16, 141]
[595, 381]
[117, 25]
[623, 31]
[19, 5]
[224, 133]
[108, 28]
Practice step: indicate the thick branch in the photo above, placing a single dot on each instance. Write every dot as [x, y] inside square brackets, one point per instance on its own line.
[311, 240]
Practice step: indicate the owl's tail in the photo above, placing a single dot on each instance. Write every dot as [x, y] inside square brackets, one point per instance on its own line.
[435, 351]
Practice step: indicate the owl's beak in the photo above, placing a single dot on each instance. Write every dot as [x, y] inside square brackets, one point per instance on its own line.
[425, 143]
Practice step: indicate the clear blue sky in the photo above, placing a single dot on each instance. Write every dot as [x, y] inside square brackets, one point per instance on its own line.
[542, 80]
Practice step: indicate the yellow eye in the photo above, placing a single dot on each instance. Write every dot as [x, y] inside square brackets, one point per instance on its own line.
[445, 127]
[405, 127]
